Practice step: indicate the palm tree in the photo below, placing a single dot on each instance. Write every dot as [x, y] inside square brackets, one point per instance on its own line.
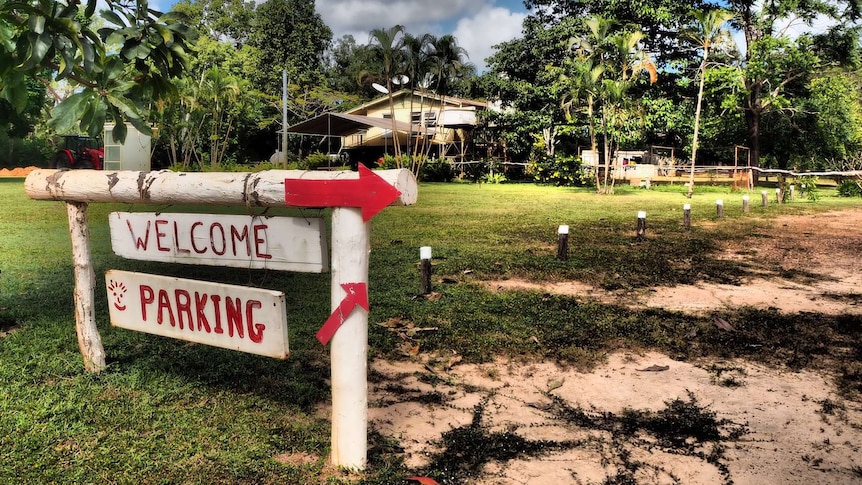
[449, 63]
[707, 31]
[385, 45]
[417, 60]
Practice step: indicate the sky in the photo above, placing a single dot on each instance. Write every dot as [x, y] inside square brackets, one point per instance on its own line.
[477, 24]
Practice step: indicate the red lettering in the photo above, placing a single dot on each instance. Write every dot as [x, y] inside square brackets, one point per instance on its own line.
[236, 236]
[255, 331]
[258, 240]
[165, 304]
[200, 305]
[177, 240]
[195, 246]
[147, 297]
[233, 310]
[216, 300]
[223, 239]
[160, 235]
[139, 244]
[184, 305]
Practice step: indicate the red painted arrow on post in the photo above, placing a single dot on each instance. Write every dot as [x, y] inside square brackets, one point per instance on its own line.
[369, 192]
[357, 295]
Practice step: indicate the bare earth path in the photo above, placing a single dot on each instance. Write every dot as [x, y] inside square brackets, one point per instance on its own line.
[791, 427]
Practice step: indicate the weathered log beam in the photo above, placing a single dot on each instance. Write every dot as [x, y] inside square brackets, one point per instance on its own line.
[259, 189]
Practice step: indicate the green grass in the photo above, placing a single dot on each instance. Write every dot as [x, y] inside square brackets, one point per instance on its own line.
[165, 411]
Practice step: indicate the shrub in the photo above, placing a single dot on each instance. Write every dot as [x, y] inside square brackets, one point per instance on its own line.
[561, 170]
[315, 161]
[850, 188]
[439, 170]
[24, 152]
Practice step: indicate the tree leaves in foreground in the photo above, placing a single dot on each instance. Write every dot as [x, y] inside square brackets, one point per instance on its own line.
[119, 61]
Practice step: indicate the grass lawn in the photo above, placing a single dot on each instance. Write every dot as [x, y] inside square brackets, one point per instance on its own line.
[166, 411]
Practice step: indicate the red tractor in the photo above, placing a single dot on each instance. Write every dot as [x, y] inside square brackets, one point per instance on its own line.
[80, 152]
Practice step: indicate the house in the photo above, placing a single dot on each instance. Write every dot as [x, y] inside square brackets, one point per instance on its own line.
[424, 123]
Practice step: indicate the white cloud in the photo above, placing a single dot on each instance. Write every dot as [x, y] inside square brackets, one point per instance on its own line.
[477, 25]
[487, 28]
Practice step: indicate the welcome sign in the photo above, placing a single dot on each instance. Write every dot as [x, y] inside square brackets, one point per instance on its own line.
[240, 241]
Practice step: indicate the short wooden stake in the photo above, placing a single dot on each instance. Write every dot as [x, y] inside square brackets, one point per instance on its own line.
[641, 228]
[686, 216]
[425, 270]
[745, 204]
[765, 199]
[719, 208]
[792, 193]
[563, 243]
[778, 195]
[802, 190]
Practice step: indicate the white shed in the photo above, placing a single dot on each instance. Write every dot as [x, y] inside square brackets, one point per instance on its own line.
[134, 154]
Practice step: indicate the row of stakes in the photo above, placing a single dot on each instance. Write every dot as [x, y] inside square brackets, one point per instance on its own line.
[563, 233]
[640, 230]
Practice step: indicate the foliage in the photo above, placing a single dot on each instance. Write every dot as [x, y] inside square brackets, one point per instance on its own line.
[560, 170]
[317, 160]
[809, 186]
[119, 70]
[289, 34]
[494, 178]
[850, 188]
[439, 170]
[34, 150]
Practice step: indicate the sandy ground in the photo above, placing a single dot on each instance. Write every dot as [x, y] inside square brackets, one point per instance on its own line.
[17, 172]
[797, 430]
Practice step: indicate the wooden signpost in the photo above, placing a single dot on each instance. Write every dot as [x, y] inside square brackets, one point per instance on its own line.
[240, 318]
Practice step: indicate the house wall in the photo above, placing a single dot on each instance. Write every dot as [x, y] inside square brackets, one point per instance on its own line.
[403, 112]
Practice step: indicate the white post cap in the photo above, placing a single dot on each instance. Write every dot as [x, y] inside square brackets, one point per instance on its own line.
[686, 207]
[563, 229]
[719, 202]
[425, 252]
[641, 214]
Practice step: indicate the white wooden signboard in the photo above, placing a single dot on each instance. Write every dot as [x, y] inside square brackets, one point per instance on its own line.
[240, 318]
[243, 241]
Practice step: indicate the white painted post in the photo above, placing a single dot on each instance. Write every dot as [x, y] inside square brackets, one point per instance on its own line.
[686, 216]
[719, 208]
[425, 270]
[792, 192]
[764, 198]
[349, 345]
[89, 340]
[563, 243]
[745, 204]
[778, 195]
[641, 227]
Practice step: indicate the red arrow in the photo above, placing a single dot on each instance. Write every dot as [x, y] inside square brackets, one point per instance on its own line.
[357, 295]
[370, 192]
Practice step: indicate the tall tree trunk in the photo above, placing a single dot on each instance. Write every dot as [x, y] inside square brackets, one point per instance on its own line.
[752, 122]
[697, 122]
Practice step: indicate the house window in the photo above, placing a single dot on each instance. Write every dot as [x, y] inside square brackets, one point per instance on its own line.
[430, 118]
[416, 117]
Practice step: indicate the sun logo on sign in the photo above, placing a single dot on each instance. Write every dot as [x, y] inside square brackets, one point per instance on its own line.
[118, 290]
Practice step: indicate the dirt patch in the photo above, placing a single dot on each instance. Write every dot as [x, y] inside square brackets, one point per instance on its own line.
[540, 423]
[793, 428]
[805, 263]
[17, 172]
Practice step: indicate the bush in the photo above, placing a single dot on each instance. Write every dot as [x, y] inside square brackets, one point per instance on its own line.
[850, 188]
[560, 170]
[439, 170]
[24, 152]
[316, 160]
